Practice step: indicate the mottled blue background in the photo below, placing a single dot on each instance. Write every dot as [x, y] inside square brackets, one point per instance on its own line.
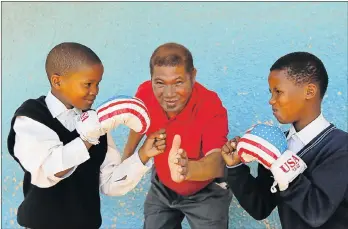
[233, 44]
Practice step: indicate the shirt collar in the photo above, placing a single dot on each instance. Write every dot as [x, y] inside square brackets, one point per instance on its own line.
[56, 107]
[309, 132]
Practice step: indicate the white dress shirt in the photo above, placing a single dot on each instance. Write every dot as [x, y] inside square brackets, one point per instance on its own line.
[41, 153]
[298, 140]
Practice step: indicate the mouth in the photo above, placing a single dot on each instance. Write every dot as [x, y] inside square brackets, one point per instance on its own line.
[170, 102]
[90, 101]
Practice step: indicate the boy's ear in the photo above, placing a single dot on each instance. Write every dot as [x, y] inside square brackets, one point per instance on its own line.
[55, 81]
[311, 91]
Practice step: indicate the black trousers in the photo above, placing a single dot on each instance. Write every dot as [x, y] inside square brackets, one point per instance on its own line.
[206, 209]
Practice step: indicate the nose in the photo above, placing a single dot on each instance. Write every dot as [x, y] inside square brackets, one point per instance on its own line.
[169, 91]
[272, 100]
[94, 90]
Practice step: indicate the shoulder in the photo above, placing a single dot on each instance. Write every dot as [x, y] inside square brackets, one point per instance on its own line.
[35, 109]
[31, 106]
[340, 138]
[209, 100]
[145, 86]
[144, 90]
[332, 143]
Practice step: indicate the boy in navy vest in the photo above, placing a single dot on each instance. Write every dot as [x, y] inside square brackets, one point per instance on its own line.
[66, 156]
[314, 194]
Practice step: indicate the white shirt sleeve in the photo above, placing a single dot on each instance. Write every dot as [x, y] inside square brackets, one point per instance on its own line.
[40, 151]
[116, 178]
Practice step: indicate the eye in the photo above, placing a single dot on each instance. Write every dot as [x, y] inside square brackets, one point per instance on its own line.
[159, 84]
[87, 84]
[279, 92]
[179, 83]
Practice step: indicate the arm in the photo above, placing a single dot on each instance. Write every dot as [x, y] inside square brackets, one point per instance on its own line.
[209, 167]
[316, 199]
[116, 177]
[132, 143]
[41, 153]
[214, 137]
[253, 194]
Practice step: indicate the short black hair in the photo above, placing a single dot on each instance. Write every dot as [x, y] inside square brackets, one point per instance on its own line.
[171, 54]
[69, 57]
[303, 67]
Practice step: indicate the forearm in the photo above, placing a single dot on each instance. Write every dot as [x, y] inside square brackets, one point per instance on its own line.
[133, 141]
[252, 193]
[65, 172]
[209, 167]
[117, 179]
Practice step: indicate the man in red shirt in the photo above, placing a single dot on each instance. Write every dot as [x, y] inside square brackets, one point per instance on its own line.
[182, 106]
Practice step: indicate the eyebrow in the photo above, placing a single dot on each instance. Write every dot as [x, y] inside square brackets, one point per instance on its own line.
[177, 78]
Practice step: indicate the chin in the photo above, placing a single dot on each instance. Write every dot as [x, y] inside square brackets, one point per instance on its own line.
[279, 118]
[84, 108]
[282, 121]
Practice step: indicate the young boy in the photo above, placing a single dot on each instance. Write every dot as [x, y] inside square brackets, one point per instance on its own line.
[317, 197]
[66, 162]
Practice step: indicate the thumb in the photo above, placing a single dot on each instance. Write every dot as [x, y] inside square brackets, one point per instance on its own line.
[176, 143]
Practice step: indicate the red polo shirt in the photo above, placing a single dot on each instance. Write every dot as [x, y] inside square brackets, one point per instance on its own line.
[202, 125]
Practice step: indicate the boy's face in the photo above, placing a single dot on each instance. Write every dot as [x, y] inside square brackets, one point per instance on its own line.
[288, 99]
[172, 87]
[79, 89]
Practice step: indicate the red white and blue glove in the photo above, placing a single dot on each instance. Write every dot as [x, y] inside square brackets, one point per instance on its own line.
[88, 127]
[126, 110]
[267, 145]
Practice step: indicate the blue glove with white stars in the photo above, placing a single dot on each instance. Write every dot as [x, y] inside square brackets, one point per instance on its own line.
[267, 145]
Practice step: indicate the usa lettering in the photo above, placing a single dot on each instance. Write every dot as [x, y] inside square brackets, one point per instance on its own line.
[290, 164]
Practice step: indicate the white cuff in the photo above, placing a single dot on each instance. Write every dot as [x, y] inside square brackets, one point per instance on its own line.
[136, 160]
[75, 153]
[285, 169]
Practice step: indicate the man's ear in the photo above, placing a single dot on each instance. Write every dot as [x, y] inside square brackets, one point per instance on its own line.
[193, 75]
[56, 81]
[311, 90]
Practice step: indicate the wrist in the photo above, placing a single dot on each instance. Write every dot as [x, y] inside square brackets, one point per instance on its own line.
[143, 157]
[87, 144]
[189, 170]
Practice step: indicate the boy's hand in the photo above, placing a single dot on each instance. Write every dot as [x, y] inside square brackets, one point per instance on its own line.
[88, 127]
[229, 152]
[153, 145]
[178, 161]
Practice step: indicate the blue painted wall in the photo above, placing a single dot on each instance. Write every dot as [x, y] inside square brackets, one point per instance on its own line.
[233, 45]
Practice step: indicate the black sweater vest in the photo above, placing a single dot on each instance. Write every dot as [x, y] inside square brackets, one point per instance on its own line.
[73, 202]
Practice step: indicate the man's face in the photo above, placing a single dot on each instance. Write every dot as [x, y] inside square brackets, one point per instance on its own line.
[172, 87]
[288, 99]
[81, 88]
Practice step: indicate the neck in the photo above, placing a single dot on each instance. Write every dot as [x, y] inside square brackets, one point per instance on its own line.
[309, 116]
[58, 96]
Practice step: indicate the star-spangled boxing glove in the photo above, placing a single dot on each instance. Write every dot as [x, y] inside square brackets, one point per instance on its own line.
[88, 127]
[126, 110]
[267, 145]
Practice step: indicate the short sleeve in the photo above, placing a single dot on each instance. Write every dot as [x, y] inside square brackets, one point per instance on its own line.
[216, 130]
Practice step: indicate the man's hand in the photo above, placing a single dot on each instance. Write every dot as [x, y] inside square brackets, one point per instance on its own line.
[178, 161]
[229, 152]
[153, 145]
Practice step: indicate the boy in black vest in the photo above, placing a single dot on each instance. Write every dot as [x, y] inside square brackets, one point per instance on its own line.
[315, 196]
[66, 157]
